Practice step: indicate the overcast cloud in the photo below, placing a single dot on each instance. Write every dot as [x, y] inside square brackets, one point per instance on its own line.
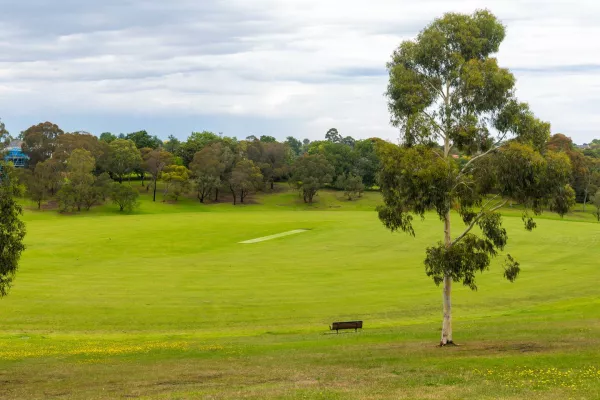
[277, 67]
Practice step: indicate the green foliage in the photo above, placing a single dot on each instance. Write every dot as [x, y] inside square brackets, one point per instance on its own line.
[295, 145]
[596, 202]
[309, 174]
[125, 196]
[68, 142]
[446, 87]
[245, 178]
[103, 184]
[413, 180]
[123, 158]
[196, 142]
[107, 137]
[39, 142]
[177, 181]
[271, 157]
[154, 163]
[267, 139]
[352, 185]
[208, 167]
[333, 136]
[4, 135]
[172, 145]
[12, 229]
[36, 183]
[79, 189]
[143, 139]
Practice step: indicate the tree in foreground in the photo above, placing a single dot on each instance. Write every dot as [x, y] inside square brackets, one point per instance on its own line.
[12, 229]
[445, 87]
[309, 174]
[125, 196]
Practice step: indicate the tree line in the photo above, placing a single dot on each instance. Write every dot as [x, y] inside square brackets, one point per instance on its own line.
[79, 170]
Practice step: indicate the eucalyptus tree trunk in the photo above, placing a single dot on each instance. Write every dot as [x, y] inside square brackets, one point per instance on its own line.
[447, 292]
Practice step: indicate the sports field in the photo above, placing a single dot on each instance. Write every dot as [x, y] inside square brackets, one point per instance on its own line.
[167, 303]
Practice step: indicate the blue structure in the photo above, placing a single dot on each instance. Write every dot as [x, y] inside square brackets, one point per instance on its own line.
[14, 154]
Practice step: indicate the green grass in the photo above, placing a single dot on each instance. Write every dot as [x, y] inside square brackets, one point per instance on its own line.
[165, 303]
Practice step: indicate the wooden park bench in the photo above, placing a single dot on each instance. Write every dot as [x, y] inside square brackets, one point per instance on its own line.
[337, 326]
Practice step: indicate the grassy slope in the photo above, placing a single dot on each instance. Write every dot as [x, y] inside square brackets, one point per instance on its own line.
[166, 304]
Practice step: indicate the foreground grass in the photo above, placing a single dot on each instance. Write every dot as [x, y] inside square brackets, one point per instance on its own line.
[166, 304]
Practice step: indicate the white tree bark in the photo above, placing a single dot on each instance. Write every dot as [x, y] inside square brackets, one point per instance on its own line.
[447, 293]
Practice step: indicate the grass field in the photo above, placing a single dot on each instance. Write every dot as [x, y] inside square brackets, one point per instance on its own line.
[165, 303]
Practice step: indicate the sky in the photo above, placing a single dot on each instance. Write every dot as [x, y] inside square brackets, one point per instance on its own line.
[273, 67]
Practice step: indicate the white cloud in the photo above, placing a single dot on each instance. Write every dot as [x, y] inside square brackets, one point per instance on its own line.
[314, 63]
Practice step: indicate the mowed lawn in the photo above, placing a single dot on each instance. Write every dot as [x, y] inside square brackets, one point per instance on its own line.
[166, 303]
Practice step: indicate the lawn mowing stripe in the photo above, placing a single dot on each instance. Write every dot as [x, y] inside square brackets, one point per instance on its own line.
[262, 239]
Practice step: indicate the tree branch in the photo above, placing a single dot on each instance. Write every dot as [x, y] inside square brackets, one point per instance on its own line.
[478, 217]
[433, 121]
[495, 147]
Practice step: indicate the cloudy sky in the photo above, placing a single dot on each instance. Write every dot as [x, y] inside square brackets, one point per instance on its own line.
[276, 67]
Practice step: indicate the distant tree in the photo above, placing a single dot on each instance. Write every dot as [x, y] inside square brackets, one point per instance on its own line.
[348, 141]
[36, 183]
[295, 145]
[227, 160]
[196, 142]
[103, 185]
[39, 142]
[271, 158]
[51, 174]
[446, 86]
[143, 139]
[12, 229]
[140, 170]
[268, 139]
[340, 156]
[177, 181]
[107, 137]
[245, 178]
[309, 174]
[154, 163]
[66, 198]
[333, 136]
[123, 158]
[172, 145]
[582, 167]
[79, 190]
[251, 138]
[352, 185]
[560, 142]
[207, 169]
[4, 135]
[125, 196]
[367, 161]
[66, 143]
[596, 202]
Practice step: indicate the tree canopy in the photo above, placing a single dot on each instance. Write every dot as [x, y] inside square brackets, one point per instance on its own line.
[12, 229]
